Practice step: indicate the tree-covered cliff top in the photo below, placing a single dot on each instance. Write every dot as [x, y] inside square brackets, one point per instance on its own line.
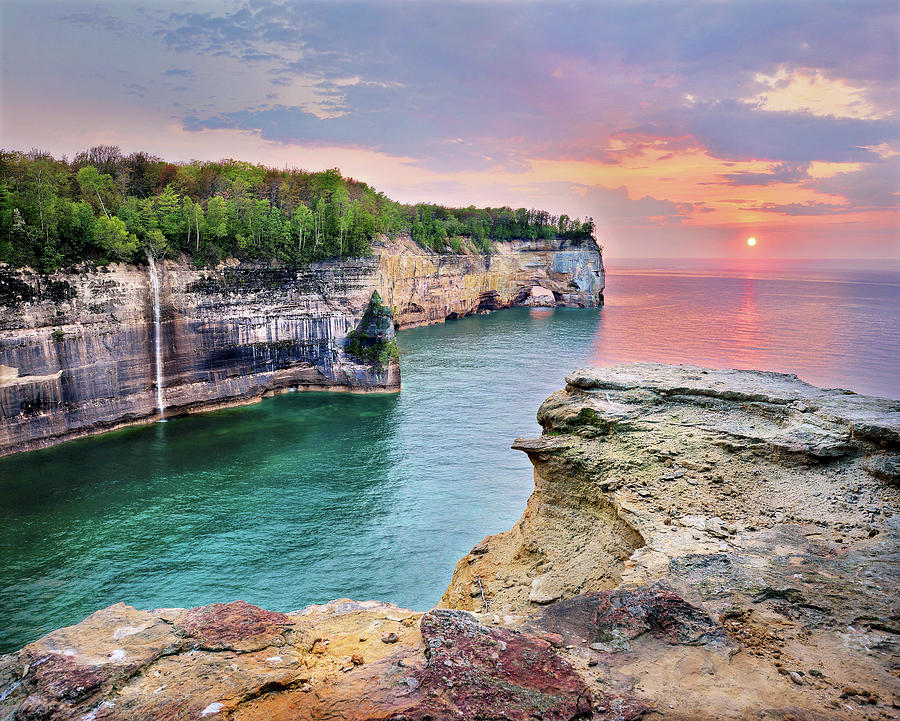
[104, 206]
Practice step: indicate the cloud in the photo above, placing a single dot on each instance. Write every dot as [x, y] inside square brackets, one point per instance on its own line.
[733, 130]
[812, 92]
[604, 92]
[877, 185]
[251, 32]
[96, 20]
[780, 173]
[614, 207]
[397, 78]
[406, 136]
[809, 208]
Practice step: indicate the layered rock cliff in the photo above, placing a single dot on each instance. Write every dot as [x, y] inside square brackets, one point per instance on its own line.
[700, 545]
[78, 355]
[77, 351]
[423, 287]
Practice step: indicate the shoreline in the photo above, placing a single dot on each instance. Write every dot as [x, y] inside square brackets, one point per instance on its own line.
[83, 352]
[208, 407]
[200, 409]
[691, 550]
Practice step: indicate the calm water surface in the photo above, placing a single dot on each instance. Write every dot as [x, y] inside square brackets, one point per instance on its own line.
[307, 497]
[831, 325]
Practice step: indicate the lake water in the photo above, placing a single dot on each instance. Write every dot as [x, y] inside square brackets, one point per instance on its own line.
[307, 497]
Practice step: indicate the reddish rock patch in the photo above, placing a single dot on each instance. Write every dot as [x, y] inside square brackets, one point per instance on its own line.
[64, 679]
[618, 707]
[54, 685]
[222, 625]
[478, 672]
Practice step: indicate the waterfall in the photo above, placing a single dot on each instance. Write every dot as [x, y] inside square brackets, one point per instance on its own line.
[157, 340]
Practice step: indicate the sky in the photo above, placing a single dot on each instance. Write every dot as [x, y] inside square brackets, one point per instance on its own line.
[682, 128]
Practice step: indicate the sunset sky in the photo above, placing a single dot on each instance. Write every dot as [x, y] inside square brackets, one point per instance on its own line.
[681, 127]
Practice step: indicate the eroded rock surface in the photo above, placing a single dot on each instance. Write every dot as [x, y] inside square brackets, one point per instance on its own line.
[423, 287]
[82, 362]
[766, 503]
[700, 545]
[344, 660]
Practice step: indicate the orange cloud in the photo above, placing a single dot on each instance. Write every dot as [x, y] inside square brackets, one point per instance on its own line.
[811, 91]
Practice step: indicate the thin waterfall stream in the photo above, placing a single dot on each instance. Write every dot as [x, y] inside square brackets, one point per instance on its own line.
[157, 340]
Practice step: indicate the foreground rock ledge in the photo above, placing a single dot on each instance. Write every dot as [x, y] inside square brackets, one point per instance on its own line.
[700, 545]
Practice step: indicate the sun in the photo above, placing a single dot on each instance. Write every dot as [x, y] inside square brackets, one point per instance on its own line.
[751, 241]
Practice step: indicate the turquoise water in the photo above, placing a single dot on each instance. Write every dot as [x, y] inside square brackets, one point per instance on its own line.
[307, 497]
[299, 499]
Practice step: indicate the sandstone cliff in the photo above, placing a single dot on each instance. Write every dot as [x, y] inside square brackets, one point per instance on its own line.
[700, 545]
[77, 349]
[767, 503]
[423, 287]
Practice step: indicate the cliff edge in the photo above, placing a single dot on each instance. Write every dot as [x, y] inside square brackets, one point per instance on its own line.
[766, 504]
[701, 544]
[79, 352]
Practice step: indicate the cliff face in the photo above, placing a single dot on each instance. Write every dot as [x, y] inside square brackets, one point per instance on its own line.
[78, 357]
[423, 287]
[77, 351]
[701, 545]
[767, 505]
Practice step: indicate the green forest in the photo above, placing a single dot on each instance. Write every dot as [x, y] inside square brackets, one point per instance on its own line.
[104, 206]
